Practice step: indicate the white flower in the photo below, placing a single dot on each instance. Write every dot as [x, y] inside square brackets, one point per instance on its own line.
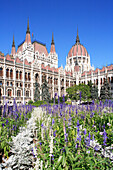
[101, 133]
[108, 124]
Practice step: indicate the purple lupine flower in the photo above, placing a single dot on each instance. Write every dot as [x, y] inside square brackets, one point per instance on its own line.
[105, 137]
[42, 125]
[93, 137]
[54, 133]
[53, 121]
[85, 132]
[7, 122]
[3, 125]
[52, 157]
[40, 143]
[63, 98]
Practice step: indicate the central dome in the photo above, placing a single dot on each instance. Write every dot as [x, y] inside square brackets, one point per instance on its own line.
[78, 49]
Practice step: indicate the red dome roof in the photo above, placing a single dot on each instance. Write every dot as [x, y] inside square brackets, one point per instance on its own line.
[78, 49]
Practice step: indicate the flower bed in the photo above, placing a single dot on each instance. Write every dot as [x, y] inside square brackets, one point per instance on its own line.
[10, 121]
[72, 137]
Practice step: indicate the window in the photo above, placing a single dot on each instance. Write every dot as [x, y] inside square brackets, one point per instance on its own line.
[20, 84]
[7, 73]
[18, 93]
[25, 85]
[11, 74]
[11, 84]
[17, 84]
[27, 93]
[28, 85]
[9, 92]
[16, 74]
[0, 83]
[7, 83]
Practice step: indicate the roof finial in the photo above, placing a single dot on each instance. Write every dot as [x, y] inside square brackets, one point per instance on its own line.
[13, 45]
[52, 39]
[77, 37]
[28, 30]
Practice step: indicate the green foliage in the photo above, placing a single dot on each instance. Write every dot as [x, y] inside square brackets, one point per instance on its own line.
[37, 92]
[65, 153]
[11, 128]
[105, 90]
[39, 103]
[94, 92]
[74, 92]
[60, 99]
[30, 102]
[45, 91]
[68, 102]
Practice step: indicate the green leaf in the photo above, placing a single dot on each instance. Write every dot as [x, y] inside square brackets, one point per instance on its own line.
[59, 161]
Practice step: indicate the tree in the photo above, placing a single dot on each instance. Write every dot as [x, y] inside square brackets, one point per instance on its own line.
[37, 92]
[74, 92]
[45, 91]
[94, 92]
[105, 90]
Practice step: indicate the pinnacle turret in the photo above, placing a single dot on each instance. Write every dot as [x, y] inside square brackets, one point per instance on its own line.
[28, 30]
[52, 42]
[13, 44]
[77, 37]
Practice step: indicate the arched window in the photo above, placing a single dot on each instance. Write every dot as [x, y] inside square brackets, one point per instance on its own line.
[36, 77]
[20, 75]
[29, 78]
[25, 76]
[7, 73]
[17, 74]
[18, 93]
[11, 84]
[27, 93]
[11, 74]
[9, 92]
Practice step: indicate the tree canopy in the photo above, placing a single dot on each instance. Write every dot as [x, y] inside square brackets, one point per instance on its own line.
[79, 91]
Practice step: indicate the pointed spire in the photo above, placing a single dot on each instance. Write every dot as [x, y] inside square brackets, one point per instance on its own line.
[13, 50]
[13, 45]
[52, 42]
[28, 30]
[52, 50]
[77, 37]
[28, 38]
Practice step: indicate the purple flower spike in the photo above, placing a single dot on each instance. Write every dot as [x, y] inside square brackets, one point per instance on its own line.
[53, 121]
[105, 137]
[85, 132]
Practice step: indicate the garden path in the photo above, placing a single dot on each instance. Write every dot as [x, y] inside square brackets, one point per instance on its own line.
[22, 144]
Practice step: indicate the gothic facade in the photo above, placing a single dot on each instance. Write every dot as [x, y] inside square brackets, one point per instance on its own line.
[31, 62]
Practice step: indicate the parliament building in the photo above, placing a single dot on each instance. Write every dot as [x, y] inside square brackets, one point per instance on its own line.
[32, 62]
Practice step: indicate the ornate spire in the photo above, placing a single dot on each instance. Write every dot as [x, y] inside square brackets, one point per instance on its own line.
[77, 37]
[52, 50]
[13, 50]
[52, 42]
[28, 30]
[13, 45]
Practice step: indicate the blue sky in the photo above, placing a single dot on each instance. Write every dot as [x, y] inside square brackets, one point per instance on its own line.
[94, 19]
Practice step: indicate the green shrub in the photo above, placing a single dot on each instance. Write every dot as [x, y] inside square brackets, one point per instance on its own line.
[67, 102]
[39, 103]
[30, 102]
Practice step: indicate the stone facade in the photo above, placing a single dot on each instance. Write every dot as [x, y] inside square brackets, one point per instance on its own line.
[32, 62]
